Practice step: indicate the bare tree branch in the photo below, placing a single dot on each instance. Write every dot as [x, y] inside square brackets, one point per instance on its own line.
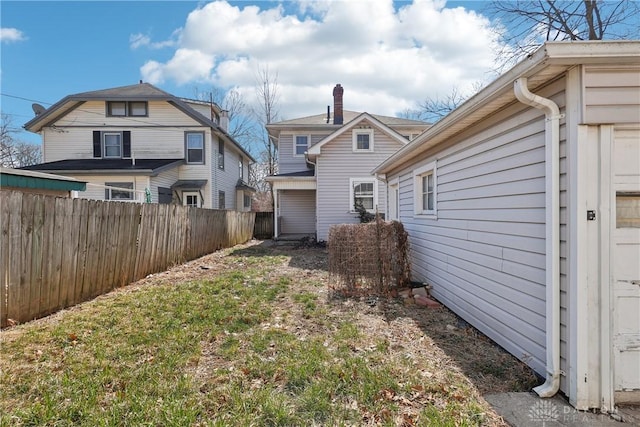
[526, 24]
[15, 153]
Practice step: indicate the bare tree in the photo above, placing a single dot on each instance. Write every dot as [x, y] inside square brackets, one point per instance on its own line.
[526, 24]
[13, 152]
[241, 123]
[265, 112]
[433, 109]
[267, 94]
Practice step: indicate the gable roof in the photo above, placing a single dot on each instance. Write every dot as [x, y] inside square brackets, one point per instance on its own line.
[321, 119]
[550, 61]
[137, 92]
[314, 150]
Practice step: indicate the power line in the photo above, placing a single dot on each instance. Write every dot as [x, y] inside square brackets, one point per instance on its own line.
[25, 99]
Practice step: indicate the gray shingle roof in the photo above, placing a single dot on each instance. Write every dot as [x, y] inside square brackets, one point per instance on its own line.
[89, 165]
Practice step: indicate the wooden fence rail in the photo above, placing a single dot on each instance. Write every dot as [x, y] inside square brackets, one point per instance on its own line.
[58, 252]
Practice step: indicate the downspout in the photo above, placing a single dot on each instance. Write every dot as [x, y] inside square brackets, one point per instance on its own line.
[315, 171]
[552, 232]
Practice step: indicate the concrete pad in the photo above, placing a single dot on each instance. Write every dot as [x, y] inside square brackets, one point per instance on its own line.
[529, 410]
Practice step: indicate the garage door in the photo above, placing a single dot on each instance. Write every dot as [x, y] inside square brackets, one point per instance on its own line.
[625, 258]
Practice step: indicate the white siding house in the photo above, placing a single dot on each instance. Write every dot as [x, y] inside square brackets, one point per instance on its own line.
[523, 211]
[325, 163]
[140, 143]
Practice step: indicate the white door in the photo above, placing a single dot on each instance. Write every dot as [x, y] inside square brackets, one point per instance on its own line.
[191, 198]
[625, 263]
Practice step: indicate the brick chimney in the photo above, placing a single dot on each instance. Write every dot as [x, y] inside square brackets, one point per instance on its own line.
[338, 117]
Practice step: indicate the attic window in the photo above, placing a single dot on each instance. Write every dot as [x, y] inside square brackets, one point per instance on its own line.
[124, 108]
[362, 140]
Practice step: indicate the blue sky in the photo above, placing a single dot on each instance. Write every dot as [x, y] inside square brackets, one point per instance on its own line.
[51, 49]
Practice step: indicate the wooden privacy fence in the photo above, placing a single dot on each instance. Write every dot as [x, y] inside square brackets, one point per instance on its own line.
[263, 228]
[58, 252]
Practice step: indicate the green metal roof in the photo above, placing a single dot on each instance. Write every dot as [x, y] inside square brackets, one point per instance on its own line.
[40, 181]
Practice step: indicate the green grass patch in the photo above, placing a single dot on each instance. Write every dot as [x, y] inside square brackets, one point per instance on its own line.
[250, 346]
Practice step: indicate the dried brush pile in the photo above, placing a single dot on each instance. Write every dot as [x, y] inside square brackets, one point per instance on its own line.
[369, 259]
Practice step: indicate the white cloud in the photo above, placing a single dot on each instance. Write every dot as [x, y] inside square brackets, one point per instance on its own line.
[143, 40]
[387, 57]
[9, 35]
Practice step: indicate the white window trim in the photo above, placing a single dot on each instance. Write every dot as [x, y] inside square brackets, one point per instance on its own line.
[295, 135]
[191, 193]
[392, 185]
[186, 147]
[429, 168]
[352, 182]
[354, 138]
[104, 145]
[128, 187]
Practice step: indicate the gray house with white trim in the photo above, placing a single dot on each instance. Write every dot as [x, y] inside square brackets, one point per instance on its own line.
[140, 143]
[523, 212]
[325, 163]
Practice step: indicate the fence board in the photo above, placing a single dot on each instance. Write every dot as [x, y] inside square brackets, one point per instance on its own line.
[35, 281]
[5, 214]
[111, 246]
[28, 205]
[120, 245]
[67, 271]
[14, 200]
[56, 252]
[134, 212]
[48, 246]
[81, 217]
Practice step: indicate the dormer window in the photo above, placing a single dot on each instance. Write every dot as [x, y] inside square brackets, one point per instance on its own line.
[127, 109]
[362, 140]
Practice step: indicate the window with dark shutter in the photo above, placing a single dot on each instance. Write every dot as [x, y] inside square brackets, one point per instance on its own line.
[126, 143]
[97, 144]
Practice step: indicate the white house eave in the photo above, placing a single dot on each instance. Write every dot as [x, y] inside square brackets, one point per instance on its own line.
[552, 59]
[306, 183]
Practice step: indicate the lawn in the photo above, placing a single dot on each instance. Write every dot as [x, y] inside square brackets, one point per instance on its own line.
[248, 337]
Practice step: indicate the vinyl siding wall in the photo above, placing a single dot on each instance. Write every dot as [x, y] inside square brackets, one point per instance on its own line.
[227, 179]
[159, 136]
[484, 254]
[95, 185]
[297, 212]
[287, 162]
[164, 179]
[611, 94]
[336, 165]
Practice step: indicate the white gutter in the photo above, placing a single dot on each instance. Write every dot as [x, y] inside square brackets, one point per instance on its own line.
[552, 234]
